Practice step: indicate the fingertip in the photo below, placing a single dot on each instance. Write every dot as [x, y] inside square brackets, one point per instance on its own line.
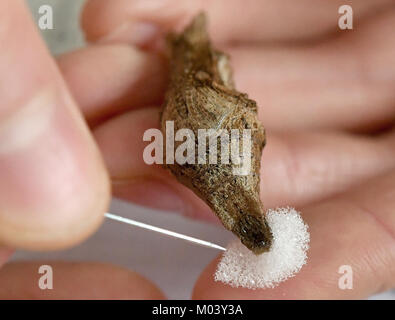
[90, 12]
[54, 185]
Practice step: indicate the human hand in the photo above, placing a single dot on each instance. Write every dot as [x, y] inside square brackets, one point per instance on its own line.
[321, 152]
[326, 100]
[54, 187]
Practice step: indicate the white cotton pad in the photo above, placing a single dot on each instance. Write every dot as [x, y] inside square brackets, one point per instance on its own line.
[239, 267]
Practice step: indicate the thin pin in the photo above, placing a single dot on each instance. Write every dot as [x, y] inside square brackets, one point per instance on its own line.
[164, 231]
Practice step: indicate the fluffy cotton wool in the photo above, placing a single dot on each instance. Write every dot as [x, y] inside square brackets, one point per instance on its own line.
[239, 267]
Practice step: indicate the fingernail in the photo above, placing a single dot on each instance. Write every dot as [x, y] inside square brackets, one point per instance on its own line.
[137, 33]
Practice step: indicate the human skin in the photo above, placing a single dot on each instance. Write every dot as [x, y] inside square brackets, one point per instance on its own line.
[325, 98]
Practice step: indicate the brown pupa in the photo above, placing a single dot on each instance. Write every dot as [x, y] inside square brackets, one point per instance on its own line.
[201, 95]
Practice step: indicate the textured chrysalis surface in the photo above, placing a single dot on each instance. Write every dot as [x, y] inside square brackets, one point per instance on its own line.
[201, 95]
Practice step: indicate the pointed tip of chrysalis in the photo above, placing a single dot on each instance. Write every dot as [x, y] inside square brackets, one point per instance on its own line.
[254, 232]
[197, 30]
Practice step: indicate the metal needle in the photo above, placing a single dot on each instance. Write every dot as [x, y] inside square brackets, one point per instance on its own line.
[164, 231]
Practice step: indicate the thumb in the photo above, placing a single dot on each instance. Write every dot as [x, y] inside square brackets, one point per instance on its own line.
[53, 184]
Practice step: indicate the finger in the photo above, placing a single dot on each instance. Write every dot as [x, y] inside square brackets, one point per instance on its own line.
[106, 80]
[75, 281]
[346, 83]
[296, 169]
[53, 184]
[355, 230]
[139, 21]
[331, 85]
